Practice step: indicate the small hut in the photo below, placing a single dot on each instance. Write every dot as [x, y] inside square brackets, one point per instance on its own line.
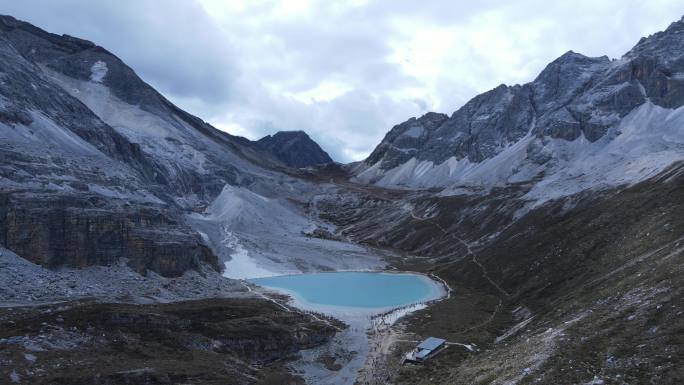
[426, 349]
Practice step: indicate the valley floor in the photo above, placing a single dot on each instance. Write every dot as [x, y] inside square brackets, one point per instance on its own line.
[592, 294]
[587, 291]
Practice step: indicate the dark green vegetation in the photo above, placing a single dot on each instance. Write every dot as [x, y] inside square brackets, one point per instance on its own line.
[217, 341]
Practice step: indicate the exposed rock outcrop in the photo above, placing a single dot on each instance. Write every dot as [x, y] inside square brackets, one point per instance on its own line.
[118, 166]
[79, 232]
[533, 129]
[294, 149]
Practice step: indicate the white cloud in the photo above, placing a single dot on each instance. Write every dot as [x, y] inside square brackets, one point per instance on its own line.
[344, 71]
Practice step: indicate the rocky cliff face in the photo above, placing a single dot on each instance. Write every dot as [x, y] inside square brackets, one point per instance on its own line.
[294, 149]
[78, 231]
[404, 140]
[521, 132]
[98, 168]
[96, 165]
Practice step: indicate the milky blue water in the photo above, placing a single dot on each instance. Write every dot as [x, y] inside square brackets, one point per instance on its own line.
[355, 298]
[355, 289]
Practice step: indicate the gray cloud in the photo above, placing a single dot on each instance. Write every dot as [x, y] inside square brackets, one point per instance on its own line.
[344, 71]
[171, 44]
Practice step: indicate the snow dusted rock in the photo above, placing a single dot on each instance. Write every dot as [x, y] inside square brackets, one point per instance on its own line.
[35, 283]
[98, 166]
[257, 235]
[74, 191]
[555, 89]
[576, 106]
[405, 140]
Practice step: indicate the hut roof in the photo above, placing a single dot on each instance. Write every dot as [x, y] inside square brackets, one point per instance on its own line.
[431, 343]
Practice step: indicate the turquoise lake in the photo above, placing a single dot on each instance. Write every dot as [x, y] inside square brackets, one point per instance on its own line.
[365, 290]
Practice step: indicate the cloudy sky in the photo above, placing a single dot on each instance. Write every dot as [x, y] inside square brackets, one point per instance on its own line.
[343, 71]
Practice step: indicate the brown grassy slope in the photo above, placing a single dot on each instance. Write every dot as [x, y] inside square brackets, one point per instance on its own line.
[217, 341]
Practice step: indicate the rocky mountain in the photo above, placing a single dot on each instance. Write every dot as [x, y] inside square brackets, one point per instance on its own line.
[110, 193]
[294, 149]
[553, 210]
[583, 122]
[97, 165]
[71, 182]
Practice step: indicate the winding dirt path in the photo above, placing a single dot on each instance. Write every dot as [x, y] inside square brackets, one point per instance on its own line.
[469, 252]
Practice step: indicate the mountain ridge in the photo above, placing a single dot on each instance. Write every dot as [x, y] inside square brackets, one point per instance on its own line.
[558, 230]
[574, 98]
[86, 140]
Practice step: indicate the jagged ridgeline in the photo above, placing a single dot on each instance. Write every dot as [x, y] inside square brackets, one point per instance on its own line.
[554, 210]
[97, 165]
[587, 117]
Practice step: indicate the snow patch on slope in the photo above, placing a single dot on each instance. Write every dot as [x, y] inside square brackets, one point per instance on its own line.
[264, 214]
[243, 209]
[241, 264]
[164, 136]
[646, 141]
[46, 133]
[261, 236]
[54, 147]
[423, 174]
[98, 71]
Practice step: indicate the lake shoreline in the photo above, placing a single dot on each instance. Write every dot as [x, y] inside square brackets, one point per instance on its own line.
[367, 328]
[382, 337]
